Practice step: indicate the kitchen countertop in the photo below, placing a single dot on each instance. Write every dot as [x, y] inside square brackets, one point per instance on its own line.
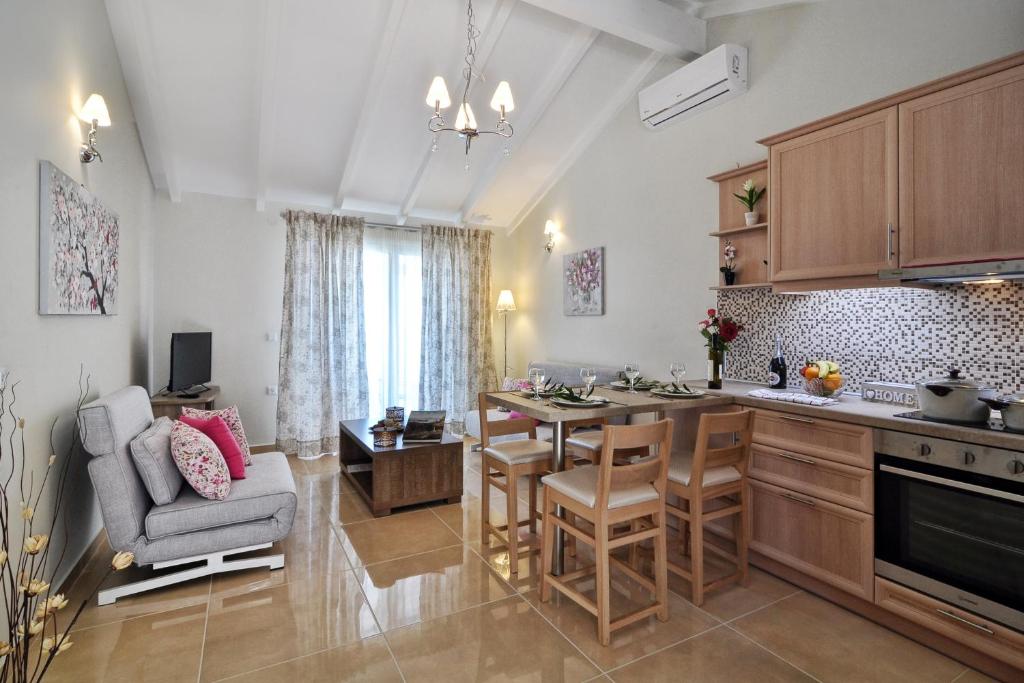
[853, 409]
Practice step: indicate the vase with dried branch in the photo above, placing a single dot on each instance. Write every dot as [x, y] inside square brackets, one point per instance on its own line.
[37, 630]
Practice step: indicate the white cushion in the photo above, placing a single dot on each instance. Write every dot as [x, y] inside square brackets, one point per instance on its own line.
[472, 426]
[523, 450]
[581, 484]
[681, 463]
[589, 440]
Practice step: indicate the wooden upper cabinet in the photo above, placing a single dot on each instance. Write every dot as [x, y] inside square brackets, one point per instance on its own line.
[833, 200]
[962, 172]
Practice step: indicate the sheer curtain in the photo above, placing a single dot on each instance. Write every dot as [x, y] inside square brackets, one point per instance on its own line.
[322, 373]
[392, 296]
[457, 360]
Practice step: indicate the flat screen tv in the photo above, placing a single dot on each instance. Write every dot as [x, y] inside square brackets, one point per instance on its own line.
[190, 359]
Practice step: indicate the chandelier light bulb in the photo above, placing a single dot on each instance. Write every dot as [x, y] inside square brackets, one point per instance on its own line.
[502, 99]
[437, 96]
[465, 120]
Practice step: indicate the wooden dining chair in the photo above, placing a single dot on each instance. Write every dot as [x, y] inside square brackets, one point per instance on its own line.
[712, 474]
[606, 495]
[501, 465]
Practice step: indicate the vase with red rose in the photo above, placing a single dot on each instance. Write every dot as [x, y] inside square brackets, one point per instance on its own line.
[718, 331]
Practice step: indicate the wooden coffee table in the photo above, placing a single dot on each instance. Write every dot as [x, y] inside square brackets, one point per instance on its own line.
[403, 474]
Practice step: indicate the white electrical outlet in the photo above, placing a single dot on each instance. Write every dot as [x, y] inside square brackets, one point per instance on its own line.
[272, 390]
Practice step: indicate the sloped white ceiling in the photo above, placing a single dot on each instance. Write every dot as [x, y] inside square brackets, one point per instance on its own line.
[321, 102]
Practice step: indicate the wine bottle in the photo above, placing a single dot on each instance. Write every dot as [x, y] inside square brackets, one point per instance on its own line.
[777, 367]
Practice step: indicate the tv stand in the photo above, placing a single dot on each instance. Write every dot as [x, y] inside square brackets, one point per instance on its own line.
[170, 405]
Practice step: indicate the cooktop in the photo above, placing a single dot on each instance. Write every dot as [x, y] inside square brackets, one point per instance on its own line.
[994, 425]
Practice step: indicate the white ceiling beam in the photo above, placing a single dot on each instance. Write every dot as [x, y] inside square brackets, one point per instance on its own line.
[539, 101]
[133, 37]
[721, 8]
[485, 46]
[372, 97]
[614, 103]
[270, 19]
[653, 24]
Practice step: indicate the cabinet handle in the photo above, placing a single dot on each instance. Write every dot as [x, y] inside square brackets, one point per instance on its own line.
[980, 627]
[791, 418]
[798, 499]
[888, 237]
[806, 461]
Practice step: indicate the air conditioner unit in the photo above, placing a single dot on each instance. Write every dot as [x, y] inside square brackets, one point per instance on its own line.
[707, 81]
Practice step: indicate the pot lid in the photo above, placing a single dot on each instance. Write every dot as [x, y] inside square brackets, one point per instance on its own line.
[1016, 399]
[954, 380]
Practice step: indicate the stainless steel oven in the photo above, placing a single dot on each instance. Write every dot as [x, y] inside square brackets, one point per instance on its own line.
[949, 522]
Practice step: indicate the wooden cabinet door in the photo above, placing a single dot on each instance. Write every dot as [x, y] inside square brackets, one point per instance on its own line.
[962, 172]
[829, 542]
[833, 200]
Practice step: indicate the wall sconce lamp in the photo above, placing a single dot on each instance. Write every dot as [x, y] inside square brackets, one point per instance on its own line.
[94, 112]
[550, 230]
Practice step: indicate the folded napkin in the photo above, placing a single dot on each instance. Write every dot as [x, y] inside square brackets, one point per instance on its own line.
[792, 397]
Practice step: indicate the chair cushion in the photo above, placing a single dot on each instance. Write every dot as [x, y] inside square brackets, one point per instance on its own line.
[588, 440]
[200, 462]
[267, 489]
[234, 422]
[151, 451]
[681, 463]
[581, 484]
[523, 450]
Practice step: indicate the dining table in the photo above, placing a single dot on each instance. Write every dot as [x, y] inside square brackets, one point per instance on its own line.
[618, 404]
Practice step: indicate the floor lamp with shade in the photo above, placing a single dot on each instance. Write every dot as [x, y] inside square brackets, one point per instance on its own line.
[506, 305]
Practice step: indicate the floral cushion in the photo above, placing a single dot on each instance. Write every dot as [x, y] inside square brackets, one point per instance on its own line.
[200, 462]
[234, 422]
[516, 384]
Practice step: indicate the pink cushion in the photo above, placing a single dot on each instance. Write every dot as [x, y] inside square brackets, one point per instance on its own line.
[516, 384]
[230, 416]
[217, 429]
[513, 415]
[200, 462]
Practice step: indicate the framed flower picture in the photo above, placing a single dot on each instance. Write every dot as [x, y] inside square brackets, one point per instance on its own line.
[583, 288]
[79, 239]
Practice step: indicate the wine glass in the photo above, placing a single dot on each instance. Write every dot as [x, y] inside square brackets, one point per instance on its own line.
[589, 376]
[632, 371]
[678, 372]
[537, 377]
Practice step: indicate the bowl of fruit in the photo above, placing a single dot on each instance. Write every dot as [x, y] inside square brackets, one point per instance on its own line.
[822, 378]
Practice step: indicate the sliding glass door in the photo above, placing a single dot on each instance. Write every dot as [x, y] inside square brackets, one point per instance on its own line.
[393, 300]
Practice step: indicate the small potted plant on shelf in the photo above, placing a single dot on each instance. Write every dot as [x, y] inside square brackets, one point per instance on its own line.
[750, 199]
[729, 269]
[718, 331]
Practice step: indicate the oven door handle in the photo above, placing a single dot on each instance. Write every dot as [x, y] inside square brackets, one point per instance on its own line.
[973, 488]
[966, 622]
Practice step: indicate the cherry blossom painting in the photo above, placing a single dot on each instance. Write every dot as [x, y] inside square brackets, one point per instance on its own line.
[583, 291]
[78, 248]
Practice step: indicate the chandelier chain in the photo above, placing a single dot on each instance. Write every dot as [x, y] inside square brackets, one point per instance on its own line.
[472, 33]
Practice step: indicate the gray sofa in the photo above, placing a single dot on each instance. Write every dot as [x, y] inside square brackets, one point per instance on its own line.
[190, 529]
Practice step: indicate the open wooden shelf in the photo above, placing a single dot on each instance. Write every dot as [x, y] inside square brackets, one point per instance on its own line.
[735, 231]
[752, 285]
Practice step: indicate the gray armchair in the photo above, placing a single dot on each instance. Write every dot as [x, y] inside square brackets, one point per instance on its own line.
[189, 529]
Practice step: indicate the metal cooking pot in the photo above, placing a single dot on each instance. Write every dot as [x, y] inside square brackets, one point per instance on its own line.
[1012, 409]
[954, 398]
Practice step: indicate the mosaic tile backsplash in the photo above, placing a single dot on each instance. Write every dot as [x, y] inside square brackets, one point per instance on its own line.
[891, 335]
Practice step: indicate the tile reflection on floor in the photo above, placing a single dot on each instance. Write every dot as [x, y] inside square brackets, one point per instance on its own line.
[418, 596]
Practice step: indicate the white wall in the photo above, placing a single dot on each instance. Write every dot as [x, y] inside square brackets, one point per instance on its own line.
[54, 54]
[644, 196]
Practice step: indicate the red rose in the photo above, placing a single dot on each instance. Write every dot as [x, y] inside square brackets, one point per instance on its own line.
[711, 313]
[728, 330]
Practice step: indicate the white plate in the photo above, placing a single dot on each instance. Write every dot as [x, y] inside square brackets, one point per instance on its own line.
[595, 402]
[620, 384]
[696, 393]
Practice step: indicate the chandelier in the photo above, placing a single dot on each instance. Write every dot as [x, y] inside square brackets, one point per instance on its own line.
[465, 121]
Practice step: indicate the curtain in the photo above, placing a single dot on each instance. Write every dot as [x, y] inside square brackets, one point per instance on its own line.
[393, 300]
[457, 360]
[323, 347]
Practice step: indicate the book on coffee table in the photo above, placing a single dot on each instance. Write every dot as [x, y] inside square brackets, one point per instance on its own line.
[424, 426]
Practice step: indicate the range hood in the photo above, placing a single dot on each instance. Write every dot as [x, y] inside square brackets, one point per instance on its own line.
[953, 273]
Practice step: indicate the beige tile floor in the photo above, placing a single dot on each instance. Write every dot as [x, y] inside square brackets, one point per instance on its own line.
[418, 597]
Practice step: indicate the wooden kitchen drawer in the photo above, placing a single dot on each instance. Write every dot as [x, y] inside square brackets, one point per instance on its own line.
[837, 441]
[964, 627]
[814, 476]
[826, 541]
